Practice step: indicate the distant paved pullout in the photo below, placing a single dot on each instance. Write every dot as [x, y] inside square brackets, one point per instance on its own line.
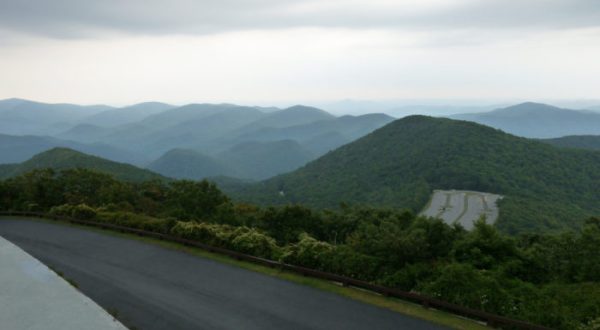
[461, 206]
[151, 287]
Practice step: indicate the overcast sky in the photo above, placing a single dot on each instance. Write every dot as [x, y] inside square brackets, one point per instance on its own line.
[261, 51]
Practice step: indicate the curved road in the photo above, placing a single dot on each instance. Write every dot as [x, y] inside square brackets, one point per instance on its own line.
[151, 287]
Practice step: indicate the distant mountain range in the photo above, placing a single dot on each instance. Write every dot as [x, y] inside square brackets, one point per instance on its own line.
[23, 117]
[535, 120]
[246, 142]
[597, 108]
[399, 165]
[196, 141]
[63, 158]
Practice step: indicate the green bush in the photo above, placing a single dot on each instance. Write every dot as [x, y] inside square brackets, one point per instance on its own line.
[81, 211]
[308, 252]
[255, 243]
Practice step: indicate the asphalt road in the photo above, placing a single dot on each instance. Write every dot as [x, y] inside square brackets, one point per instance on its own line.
[151, 287]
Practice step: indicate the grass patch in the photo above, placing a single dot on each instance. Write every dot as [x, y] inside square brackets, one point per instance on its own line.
[397, 305]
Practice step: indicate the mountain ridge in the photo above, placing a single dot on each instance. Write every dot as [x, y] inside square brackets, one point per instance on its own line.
[400, 164]
[64, 158]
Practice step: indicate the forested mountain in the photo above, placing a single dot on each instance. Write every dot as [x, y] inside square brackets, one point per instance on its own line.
[591, 142]
[248, 160]
[16, 149]
[189, 164]
[537, 120]
[63, 158]
[261, 160]
[400, 164]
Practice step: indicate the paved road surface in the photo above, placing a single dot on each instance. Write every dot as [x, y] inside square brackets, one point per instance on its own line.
[151, 287]
[33, 297]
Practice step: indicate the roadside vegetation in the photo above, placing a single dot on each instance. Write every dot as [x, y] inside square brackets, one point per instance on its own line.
[548, 279]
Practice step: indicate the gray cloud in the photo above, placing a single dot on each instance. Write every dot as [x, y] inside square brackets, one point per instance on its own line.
[77, 18]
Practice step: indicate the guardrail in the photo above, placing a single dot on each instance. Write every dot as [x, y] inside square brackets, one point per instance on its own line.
[492, 320]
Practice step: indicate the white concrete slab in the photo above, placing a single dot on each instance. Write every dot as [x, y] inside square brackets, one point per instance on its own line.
[33, 297]
[462, 206]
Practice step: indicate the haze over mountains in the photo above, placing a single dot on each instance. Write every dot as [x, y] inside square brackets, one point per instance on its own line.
[246, 142]
[197, 141]
[536, 120]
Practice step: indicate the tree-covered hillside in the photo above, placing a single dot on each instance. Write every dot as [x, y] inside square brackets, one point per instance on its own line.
[591, 142]
[400, 164]
[261, 160]
[63, 158]
[189, 164]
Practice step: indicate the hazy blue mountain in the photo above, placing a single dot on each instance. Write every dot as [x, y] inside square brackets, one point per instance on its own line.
[153, 129]
[189, 164]
[190, 112]
[86, 133]
[261, 160]
[437, 110]
[537, 120]
[14, 149]
[201, 133]
[296, 115]
[63, 158]
[591, 142]
[323, 143]
[23, 117]
[188, 127]
[127, 115]
[350, 127]
[211, 128]
[10, 103]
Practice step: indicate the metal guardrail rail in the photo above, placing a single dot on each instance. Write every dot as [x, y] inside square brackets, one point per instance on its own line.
[492, 320]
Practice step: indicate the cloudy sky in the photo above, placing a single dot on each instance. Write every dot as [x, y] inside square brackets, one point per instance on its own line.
[261, 51]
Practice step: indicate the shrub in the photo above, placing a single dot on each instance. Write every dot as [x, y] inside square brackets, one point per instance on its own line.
[255, 243]
[308, 252]
[83, 212]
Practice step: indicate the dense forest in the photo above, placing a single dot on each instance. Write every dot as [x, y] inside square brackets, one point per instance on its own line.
[64, 158]
[549, 279]
[590, 142]
[400, 164]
